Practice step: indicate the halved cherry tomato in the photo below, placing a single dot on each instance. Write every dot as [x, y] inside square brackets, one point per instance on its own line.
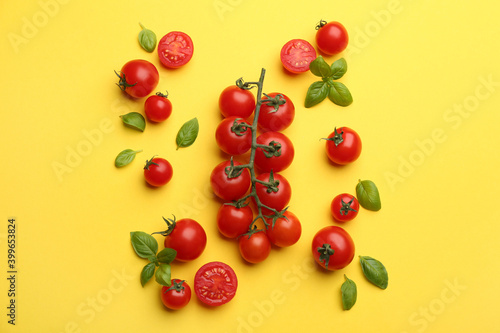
[215, 283]
[175, 49]
[296, 55]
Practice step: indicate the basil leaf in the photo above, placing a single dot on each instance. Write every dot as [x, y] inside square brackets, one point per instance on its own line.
[162, 275]
[144, 244]
[147, 39]
[147, 273]
[187, 133]
[166, 256]
[125, 157]
[339, 68]
[339, 94]
[320, 68]
[134, 120]
[368, 196]
[316, 93]
[374, 271]
[349, 293]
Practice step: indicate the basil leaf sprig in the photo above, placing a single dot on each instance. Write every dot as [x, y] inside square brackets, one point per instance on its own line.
[146, 246]
[349, 293]
[374, 271]
[187, 133]
[134, 120]
[368, 195]
[125, 157]
[337, 92]
[147, 39]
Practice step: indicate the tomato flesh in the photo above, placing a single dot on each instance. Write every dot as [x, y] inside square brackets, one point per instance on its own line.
[215, 283]
[296, 55]
[175, 49]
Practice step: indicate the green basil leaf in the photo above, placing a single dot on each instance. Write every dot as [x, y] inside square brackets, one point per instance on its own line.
[374, 271]
[147, 39]
[187, 133]
[147, 273]
[166, 256]
[339, 94]
[125, 157]
[320, 68]
[316, 93]
[144, 244]
[339, 68]
[368, 196]
[349, 293]
[162, 275]
[134, 120]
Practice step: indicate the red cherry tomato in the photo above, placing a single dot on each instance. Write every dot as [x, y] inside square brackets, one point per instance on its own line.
[286, 231]
[177, 295]
[158, 107]
[158, 171]
[187, 237]
[344, 207]
[226, 188]
[278, 196]
[278, 115]
[333, 248]
[343, 146]
[138, 78]
[254, 248]
[175, 49]
[296, 55]
[215, 283]
[233, 221]
[238, 102]
[277, 159]
[332, 37]
[232, 138]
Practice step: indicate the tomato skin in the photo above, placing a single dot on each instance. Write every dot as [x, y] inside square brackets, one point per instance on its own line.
[296, 55]
[234, 101]
[228, 141]
[341, 208]
[157, 108]
[277, 200]
[275, 121]
[348, 150]
[232, 221]
[275, 163]
[332, 38]
[215, 283]
[175, 49]
[188, 238]
[339, 241]
[158, 172]
[285, 232]
[138, 78]
[254, 248]
[173, 299]
[229, 189]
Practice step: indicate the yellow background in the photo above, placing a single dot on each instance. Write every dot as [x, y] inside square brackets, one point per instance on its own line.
[413, 65]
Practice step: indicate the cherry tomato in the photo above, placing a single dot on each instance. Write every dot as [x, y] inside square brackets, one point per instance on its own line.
[233, 221]
[331, 37]
[158, 171]
[215, 283]
[238, 102]
[343, 146]
[138, 78]
[158, 107]
[278, 196]
[233, 138]
[175, 49]
[227, 188]
[277, 159]
[333, 248]
[255, 247]
[344, 207]
[177, 295]
[276, 115]
[296, 55]
[286, 231]
[187, 237]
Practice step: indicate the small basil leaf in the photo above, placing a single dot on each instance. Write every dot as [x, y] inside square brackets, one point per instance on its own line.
[162, 275]
[144, 244]
[166, 256]
[125, 157]
[368, 196]
[316, 93]
[320, 68]
[349, 293]
[374, 271]
[134, 120]
[339, 94]
[147, 39]
[187, 133]
[147, 273]
[339, 68]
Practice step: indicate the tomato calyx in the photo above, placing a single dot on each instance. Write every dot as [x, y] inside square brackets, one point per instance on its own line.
[239, 127]
[171, 226]
[272, 149]
[123, 84]
[237, 204]
[321, 24]
[325, 252]
[149, 163]
[346, 207]
[233, 171]
[272, 185]
[275, 102]
[251, 231]
[337, 137]
[177, 286]
[276, 216]
[162, 94]
[240, 83]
